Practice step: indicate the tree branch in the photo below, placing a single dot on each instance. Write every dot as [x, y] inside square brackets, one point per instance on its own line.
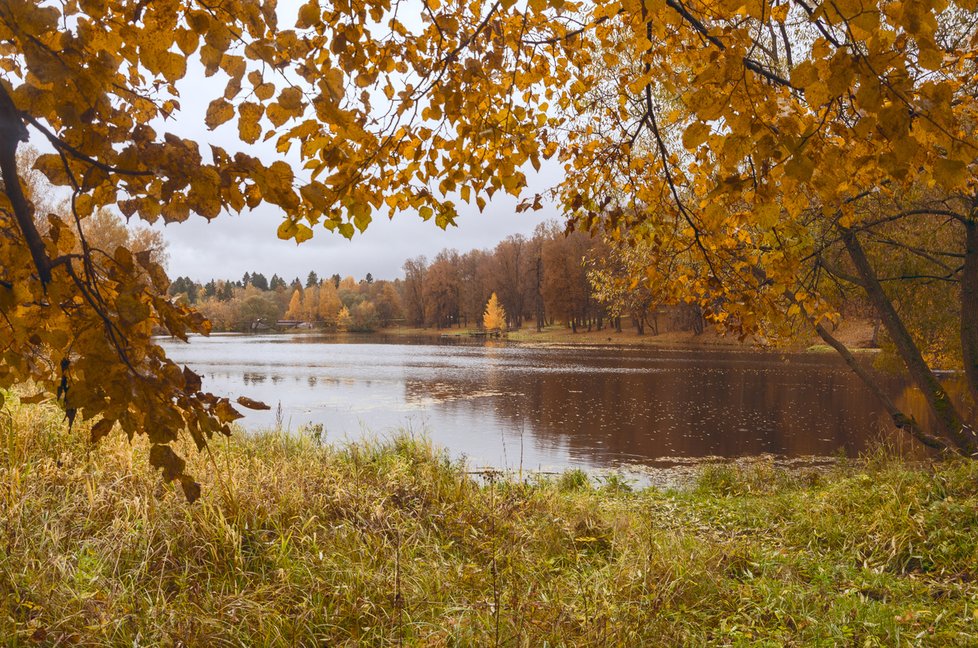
[61, 145]
[12, 132]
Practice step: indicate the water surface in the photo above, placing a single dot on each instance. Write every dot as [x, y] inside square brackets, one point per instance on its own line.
[511, 406]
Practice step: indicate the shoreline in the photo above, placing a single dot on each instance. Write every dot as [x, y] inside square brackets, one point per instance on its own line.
[853, 335]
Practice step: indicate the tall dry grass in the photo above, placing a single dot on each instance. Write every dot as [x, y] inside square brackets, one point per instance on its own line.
[384, 544]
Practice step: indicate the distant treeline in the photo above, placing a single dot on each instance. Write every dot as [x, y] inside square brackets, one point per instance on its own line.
[551, 277]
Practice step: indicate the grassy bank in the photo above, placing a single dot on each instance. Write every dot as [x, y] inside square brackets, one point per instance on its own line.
[855, 334]
[392, 544]
[561, 335]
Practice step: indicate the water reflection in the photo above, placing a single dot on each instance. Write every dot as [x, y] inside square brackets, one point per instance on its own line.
[506, 405]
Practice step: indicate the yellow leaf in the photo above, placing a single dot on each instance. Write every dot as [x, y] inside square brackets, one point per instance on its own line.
[277, 115]
[218, 112]
[302, 233]
[695, 134]
[334, 83]
[248, 128]
[308, 14]
[244, 401]
[287, 230]
[767, 215]
[163, 457]
[101, 429]
[173, 66]
[950, 173]
[265, 91]
[291, 99]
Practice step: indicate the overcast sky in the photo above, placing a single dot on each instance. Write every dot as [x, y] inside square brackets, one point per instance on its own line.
[232, 244]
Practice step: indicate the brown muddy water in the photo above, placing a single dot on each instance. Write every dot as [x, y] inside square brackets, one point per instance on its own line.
[521, 407]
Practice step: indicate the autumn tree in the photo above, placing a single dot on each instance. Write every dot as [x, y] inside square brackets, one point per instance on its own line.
[494, 318]
[310, 304]
[295, 311]
[534, 275]
[475, 280]
[510, 258]
[344, 319]
[441, 290]
[105, 231]
[413, 290]
[630, 280]
[565, 288]
[783, 150]
[329, 302]
[363, 317]
[387, 303]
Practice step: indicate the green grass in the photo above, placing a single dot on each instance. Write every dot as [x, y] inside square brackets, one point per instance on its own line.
[394, 544]
[825, 348]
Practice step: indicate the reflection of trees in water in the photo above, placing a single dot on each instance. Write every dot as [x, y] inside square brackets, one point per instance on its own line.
[254, 378]
[687, 411]
[913, 403]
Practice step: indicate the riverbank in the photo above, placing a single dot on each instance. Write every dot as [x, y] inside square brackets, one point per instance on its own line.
[302, 544]
[857, 335]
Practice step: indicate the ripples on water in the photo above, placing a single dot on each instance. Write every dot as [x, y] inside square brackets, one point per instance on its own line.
[509, 405]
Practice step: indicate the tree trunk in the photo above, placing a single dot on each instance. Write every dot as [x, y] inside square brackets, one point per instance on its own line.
[949, 421]
[969, 309]
[12, 132]
[541, 321]
[900, 420]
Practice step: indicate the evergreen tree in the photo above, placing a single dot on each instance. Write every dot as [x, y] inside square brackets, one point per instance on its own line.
[226, 292]
[177, 286]
[259, 281]
[191, 287]
[312, 279]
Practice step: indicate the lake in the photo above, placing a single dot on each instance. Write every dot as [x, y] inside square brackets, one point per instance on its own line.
[511, 406]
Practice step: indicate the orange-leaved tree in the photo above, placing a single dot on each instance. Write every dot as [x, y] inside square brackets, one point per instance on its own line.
[776, 149]
[494, 319]
[779, 158]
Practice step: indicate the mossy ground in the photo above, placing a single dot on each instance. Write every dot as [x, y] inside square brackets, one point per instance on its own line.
[294, 543]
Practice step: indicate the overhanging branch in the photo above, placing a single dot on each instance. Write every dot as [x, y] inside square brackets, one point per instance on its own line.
[12, 133]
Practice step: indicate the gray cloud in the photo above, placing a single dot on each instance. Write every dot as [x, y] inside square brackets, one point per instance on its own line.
[231, 245]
